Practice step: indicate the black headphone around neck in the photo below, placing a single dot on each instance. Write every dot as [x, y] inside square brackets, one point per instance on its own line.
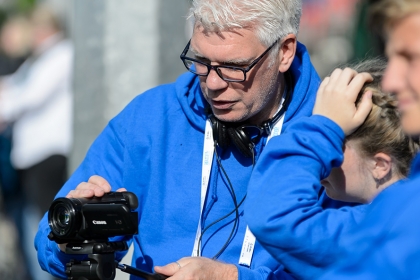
[244, 136]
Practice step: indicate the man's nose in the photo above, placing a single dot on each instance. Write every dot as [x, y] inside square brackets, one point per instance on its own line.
[395, 77]
[214, 82]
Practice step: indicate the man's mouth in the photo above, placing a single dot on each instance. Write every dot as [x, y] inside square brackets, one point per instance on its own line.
[222, 105]
[404, 104]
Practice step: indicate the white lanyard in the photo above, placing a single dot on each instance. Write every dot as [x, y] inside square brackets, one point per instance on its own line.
[208, 153]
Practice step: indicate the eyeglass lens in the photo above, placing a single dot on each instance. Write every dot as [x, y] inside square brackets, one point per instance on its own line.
[229, 74]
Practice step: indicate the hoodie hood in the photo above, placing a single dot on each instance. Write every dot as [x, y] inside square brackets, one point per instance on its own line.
[306, 83]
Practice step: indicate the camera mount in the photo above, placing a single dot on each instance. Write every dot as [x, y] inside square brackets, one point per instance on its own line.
[101, 264]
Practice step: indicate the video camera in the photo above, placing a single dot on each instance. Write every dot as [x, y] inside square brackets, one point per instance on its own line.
[97, 218]
[85, 224]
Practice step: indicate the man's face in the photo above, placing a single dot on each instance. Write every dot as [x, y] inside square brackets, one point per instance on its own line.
[402, 76]
[255, 99]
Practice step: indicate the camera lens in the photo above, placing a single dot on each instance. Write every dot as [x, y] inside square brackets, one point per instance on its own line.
[60, 220]
[64, 217]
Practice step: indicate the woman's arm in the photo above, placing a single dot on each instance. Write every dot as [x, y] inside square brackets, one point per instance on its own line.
[283, 209]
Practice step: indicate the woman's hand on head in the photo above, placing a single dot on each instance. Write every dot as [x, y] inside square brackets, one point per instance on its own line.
[337, 95]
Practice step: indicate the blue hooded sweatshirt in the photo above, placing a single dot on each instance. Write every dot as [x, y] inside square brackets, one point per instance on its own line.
[386, 244]
[285, 207]
[154, 148]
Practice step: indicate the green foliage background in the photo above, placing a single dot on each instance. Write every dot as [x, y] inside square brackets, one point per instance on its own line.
[25, 5]
[18, 7]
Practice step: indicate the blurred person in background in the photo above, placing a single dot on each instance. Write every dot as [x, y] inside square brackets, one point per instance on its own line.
[37, 100]
[14, 49]
[14, 43]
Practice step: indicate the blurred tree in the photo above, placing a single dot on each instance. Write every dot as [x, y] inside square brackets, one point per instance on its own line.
[366, 42]
[3, 16]
[13, 7]
[25, 5]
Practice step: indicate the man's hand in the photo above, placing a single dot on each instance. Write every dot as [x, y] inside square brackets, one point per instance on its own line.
[198, 268]
[95, 186]
[336, 98]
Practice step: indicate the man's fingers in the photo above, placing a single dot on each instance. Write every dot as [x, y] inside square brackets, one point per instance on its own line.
[83, 190]
[96, 186]
[101, 186]
[169, 269]
[79, 193]
[101, 182]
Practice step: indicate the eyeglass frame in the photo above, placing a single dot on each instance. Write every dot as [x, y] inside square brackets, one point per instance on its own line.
[216, 67]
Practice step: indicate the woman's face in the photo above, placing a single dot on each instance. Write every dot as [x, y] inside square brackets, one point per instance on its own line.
[351, 181]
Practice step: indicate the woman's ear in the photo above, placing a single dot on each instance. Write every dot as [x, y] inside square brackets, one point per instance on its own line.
[382, 170]
[287, 52]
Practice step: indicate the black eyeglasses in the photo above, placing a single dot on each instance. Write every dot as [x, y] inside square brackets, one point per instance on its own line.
[226, 73]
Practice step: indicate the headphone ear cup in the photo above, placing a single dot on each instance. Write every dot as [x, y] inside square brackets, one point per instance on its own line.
[220, 134]
[241, 141]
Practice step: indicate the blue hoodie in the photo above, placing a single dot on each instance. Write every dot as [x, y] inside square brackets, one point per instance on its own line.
[386, 244]
[283, 207]
[154, 148]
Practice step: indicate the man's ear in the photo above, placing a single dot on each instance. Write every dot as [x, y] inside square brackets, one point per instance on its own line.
[287, 52]
[383, 167]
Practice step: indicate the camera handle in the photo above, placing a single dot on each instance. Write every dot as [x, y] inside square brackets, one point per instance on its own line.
[101, 262]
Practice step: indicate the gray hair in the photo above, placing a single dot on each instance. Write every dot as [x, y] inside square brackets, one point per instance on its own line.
[271, 19]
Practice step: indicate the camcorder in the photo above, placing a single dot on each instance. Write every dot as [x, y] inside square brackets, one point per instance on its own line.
[97, 218]
[85, 224]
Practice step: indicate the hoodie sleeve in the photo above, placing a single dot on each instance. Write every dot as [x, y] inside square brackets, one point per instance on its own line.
[108, 165]
[283, 208]
[385, 245]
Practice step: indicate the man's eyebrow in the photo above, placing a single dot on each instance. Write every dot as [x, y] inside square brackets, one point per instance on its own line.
[239, 61]
[405, 53]
[402, 51]
[197, 54]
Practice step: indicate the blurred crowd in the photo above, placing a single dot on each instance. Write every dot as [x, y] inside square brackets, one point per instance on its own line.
[338, 32]
[35, 131]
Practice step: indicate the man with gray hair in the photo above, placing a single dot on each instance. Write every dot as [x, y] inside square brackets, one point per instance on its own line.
[187, 149]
